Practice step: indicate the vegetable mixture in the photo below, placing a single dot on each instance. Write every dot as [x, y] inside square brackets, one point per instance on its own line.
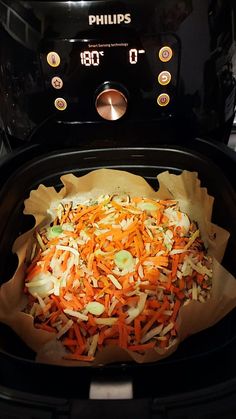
[115, 271]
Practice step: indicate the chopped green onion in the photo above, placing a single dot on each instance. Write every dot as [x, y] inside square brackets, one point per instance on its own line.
[123, 259]
[54, 232]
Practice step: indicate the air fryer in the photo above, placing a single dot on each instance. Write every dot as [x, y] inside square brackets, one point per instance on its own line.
[130, 85]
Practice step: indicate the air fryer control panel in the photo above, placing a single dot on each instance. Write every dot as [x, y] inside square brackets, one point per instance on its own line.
[115, 63]
[112, 77]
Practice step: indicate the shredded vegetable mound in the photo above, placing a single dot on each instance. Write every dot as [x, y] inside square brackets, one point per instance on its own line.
[115, 272]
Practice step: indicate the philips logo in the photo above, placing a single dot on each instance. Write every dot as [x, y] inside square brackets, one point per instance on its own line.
[109, 19]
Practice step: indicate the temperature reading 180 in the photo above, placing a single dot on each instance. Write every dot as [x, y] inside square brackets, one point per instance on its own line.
[89, 58]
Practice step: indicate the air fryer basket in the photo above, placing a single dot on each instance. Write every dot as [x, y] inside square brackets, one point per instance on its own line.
[197, 355]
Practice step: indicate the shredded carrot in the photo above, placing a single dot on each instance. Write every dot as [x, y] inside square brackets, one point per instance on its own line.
[158, 260]
[155, 317]
[137, 329]
[117, 273]
[69, 342]
[174, 267]
[45, 327]
[175, 310]
[141, 348]
[78, 335]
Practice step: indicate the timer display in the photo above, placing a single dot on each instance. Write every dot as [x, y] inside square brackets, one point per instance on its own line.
[93, 58]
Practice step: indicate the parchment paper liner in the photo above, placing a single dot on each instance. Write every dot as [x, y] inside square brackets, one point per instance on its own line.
[193, 317]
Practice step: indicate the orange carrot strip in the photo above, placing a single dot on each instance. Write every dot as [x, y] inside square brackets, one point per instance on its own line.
[101, 337]
[153, 304]
[154, 318]
[76, 303]
[78, 335]
[65, 260]
[158, 260]
[85, 211]
[90, 261]
[34, 271]
[200, 278]
[53, 316]
[117, 206]
[175, 263]
[152, 275]
[181, 283]
[175, 310]
[132, 301]
[69, 342]
[148, 287]
[180, 295]
[141, 348]
[45, 327]
[56, 301]
[137, 329]
[91, 320]
[88, 287]
[111, 332]
[104, 268]
[132, 228]
[107, 302]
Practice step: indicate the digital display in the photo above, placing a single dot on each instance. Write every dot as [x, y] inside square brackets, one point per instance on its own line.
[142, 67]
[94, 57]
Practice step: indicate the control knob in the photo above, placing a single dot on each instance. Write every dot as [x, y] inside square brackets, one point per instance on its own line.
[111, 102]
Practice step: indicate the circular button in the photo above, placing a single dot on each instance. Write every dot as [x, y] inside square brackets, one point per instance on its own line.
[163, 99]
[164, 78]
[165, 54]
[57, 82]
[111, 104]
[53, 59]
[60, 104]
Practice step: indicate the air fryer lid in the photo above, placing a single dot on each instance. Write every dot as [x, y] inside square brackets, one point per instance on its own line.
[195, 353]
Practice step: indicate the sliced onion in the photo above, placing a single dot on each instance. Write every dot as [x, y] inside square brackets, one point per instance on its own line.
[41, 285]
